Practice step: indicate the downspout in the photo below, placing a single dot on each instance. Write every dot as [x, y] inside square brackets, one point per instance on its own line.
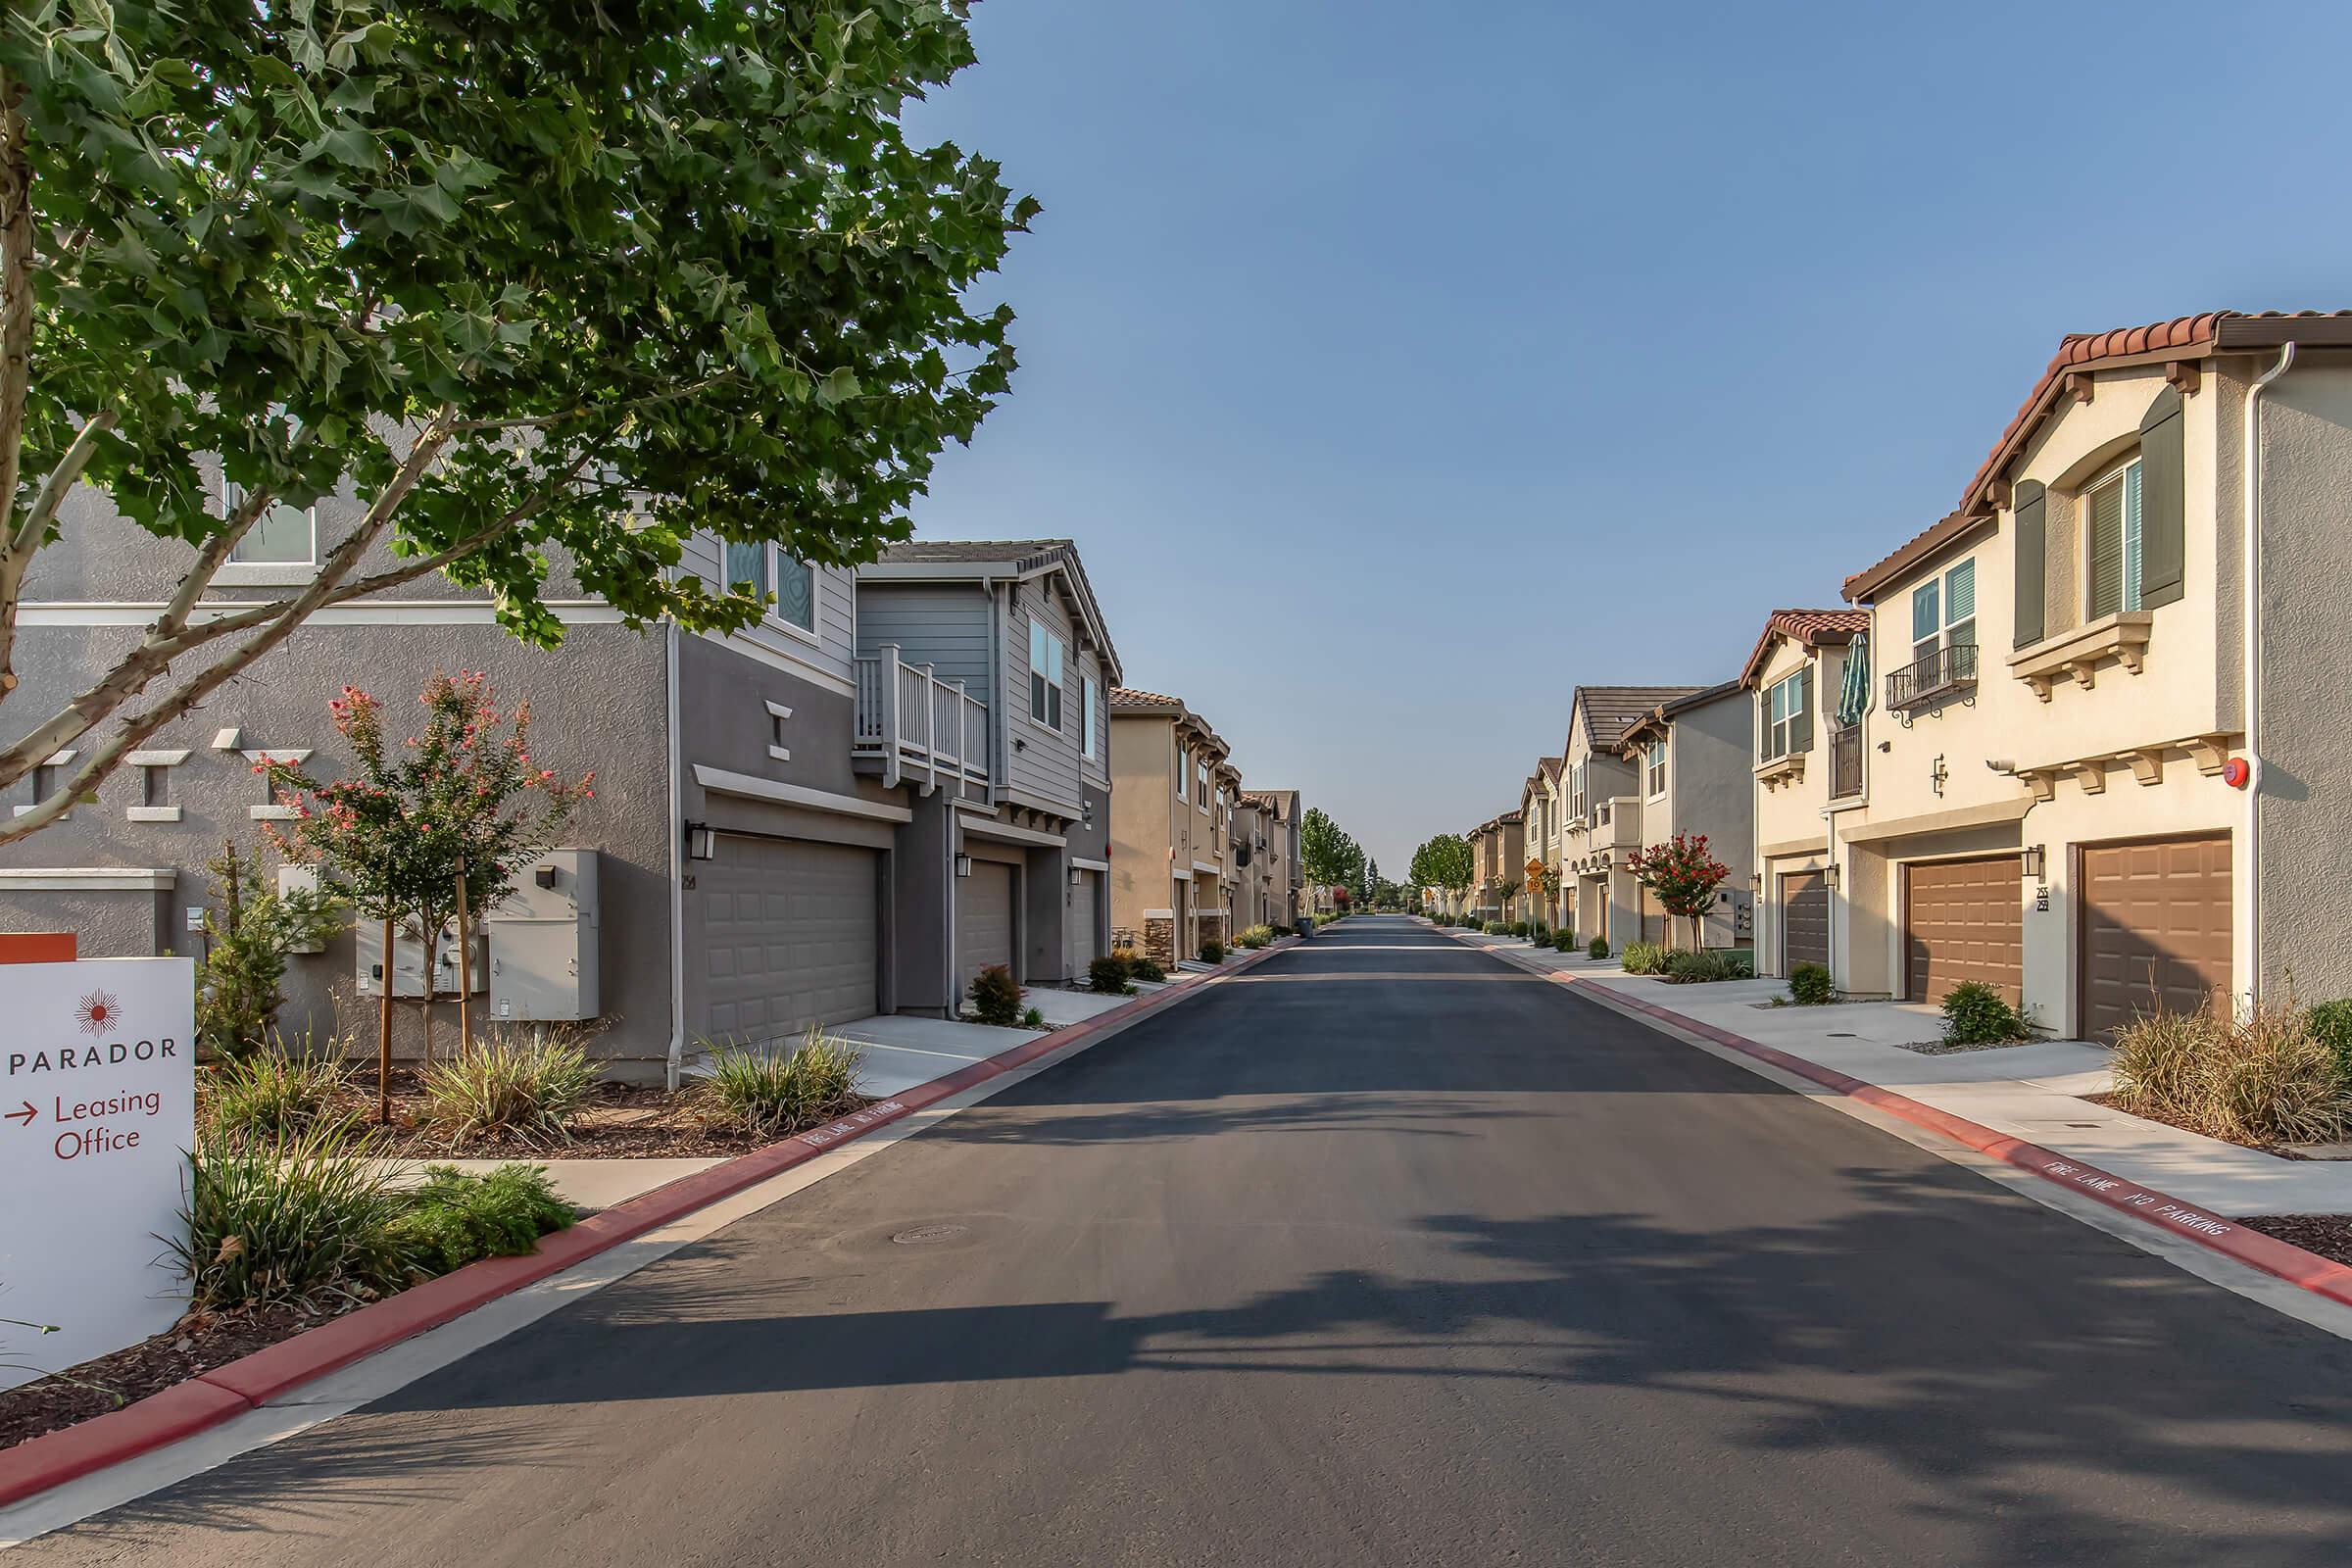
[678, 868]
[2250, 568]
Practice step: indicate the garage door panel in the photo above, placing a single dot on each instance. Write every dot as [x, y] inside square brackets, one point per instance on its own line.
[1804, 919]
[1963, 921]
[790, 936]
[1081, 924]
[2155, 928]
[984, 919]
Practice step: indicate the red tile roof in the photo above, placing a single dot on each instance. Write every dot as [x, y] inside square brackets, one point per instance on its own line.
[1808, 628]
[2185, 337]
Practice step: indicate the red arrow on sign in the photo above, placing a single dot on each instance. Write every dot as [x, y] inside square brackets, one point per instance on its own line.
[26, 1115]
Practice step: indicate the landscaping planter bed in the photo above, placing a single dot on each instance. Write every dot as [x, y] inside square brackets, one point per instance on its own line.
[195, 1344]
[2283, 1151]
[2329, 1235]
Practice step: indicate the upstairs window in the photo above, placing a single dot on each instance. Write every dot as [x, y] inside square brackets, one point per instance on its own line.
[2111, 531]
[796, 592]
[1654, 758]
[1184, 766]
[1787, 716]
[1200, 778]
[1045, 675]
[1090, 696]
[1944, 612]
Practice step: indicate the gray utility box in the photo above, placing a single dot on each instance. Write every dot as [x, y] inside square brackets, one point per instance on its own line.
[543, 939]
[408, 960]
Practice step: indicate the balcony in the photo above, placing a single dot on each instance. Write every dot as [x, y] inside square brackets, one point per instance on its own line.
[1845, 761]
[918, 726]
[1946, 672]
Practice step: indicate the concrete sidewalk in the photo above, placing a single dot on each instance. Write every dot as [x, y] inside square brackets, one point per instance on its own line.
[2031, 1092]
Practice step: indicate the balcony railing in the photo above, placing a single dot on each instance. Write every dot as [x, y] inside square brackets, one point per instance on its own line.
[1941, 673]
[1845, 761]
[920, 726]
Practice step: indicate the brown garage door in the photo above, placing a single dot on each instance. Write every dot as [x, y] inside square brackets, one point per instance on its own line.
[1963, 921]
[2155, 929]
[1653, 917]
[1804, 919]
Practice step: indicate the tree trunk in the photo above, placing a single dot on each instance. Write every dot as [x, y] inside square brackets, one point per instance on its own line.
[424, 1004]
[383, 1037]
[464, 972]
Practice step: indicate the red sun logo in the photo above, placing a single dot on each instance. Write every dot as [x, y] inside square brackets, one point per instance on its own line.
[98, 1013]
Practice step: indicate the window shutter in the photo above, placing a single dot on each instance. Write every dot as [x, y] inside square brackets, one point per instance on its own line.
[2103, 520]
[1800, 722]
[2163, 494]
[2032, 560]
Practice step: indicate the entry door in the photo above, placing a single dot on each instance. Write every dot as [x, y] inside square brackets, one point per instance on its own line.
[1804, 919]
[2155, 930]
[1655, 927]
[1963, 921]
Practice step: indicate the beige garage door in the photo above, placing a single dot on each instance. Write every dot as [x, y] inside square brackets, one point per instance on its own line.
[1082, 946]
[983, 920]
[1963, 921]
[1804, 919]
[2155, 929]
[790, 933]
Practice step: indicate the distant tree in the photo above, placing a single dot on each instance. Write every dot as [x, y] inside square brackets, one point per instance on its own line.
[1442, 862]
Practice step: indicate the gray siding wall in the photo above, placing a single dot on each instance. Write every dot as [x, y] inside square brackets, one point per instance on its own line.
[836, 612]
[598, 702]
[941, 624]
[1045, 765]
[1712, 790]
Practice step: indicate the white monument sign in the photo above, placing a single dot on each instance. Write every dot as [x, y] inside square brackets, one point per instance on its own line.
[97, 1113]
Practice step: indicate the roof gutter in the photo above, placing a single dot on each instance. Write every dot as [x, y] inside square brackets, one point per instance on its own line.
[2250, 615]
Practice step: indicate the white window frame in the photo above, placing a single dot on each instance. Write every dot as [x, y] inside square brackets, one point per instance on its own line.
[1200, 781]
[777, 556]
[238, 573]
[1050, 678]
[2132, 526]
[1941, 586]
[1184, 768]
[1090, 693]
[1654, 768]
[1780, 715]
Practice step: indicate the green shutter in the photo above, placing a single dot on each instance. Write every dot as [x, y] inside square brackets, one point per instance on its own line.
[1800, 722]
[2104, 521]
[2032, 560]
[2163, 498]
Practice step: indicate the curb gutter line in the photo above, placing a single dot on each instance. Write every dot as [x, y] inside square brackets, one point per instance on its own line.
[252, 1381]
[2307, 1270]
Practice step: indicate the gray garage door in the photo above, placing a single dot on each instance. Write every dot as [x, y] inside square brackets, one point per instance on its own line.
[789, 937]
[1082, 947]
[983, 920]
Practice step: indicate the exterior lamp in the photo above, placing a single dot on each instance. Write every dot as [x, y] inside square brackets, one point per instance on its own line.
[702, 844]
[1830, 873]
[964, 866]
[2035, 864]
[1077, 876]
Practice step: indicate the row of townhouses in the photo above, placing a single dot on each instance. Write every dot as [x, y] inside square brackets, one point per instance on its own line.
[905, 773]
[2082, 739]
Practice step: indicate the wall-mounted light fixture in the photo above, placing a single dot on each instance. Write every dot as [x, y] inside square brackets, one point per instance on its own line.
[964, 866]
[1829, 875]
[2037, 864]
[1077, 876]
[702, 842]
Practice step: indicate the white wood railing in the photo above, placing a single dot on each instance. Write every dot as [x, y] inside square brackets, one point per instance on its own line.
[920, 726]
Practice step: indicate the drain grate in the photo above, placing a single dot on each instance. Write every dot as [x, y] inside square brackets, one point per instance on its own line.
[1833, 1034]
[924, 1234]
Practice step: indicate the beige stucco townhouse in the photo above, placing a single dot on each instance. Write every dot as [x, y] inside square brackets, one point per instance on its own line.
[1169, 838]
[1807, 768]
[1692, 773]
[1602, 825]
[2109, 768]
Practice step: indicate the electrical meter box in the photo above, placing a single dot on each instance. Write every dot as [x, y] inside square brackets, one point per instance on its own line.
[408, 961]
[543, 939]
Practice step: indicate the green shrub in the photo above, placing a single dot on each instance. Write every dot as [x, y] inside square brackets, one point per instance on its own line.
[769, 1092]
[1212, 952]
[1599, 947]
[1707, 966]
[1563, 940]
[1974, 1014]
[1147, 969]
[250, 931]
[1108, 974]
[1033, 1019]
[527, 1083]
[1809, 985]
[1644, 957]
[272, 1091]
[1519, 928]
[995, 996]
[1256, 936]
[2265, 1077]
[301, 1217]
[2331, 1026]
[457, 1218]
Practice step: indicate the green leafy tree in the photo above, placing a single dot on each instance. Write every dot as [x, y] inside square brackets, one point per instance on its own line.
[250, 931]
[1683, 876]
[459, 803]
[538, 288]
[1443, 862]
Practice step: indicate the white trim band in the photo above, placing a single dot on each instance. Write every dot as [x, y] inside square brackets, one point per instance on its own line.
[720, 781]
[87, 879]
[988, 827]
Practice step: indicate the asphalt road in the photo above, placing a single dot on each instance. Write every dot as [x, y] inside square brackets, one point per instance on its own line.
[1384, 1253]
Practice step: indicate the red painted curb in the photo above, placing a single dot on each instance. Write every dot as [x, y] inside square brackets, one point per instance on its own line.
[2321, 1276]
[211, 1397]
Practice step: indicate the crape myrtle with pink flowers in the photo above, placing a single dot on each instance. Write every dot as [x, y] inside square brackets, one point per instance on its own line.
[1683, 876]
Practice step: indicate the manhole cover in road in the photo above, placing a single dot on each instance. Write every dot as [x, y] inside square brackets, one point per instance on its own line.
[922, 1235]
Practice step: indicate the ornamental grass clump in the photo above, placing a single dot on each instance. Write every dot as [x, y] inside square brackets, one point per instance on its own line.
[272, 1090]
[304, 1217]
[1706, 967]
[769, 1092]
[2263, 1077]
[1644, 957]
[515, 1083]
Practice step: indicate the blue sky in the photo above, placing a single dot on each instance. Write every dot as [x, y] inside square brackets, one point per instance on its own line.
[1399, 366]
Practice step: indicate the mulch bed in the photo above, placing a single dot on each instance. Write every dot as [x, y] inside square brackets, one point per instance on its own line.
[2329, 1235]
[1954, 1047]
[196, 1344]
[2283, 1151]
